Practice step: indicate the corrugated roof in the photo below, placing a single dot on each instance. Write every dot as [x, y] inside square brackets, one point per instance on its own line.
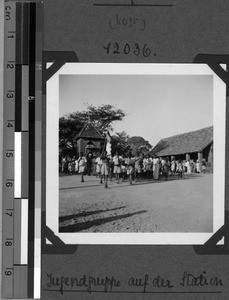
[188, 142]
[89, 131]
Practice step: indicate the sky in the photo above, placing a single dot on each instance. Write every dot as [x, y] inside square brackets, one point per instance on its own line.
[156, 106]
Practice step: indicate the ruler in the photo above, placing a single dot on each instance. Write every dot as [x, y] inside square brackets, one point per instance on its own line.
[22, 150]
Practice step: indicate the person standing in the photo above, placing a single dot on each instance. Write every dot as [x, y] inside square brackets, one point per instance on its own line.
[165, 169]
[104, 169]
[76, 166]
[173, 166]
[198, 170]
[156, 168]
[148, 167]
[129, 161]
[63, 162]
[117, 166]
[98, 163]
[82, 165]
[138, 167]
[180, 168]
[203, 166]
[89, 163]
[188, 167]
[123, 169]
[93, 166]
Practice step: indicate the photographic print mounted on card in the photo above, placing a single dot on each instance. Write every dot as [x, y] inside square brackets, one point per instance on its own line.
[134, 151]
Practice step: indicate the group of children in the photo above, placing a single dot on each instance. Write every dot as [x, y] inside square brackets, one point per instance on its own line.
[131, 168]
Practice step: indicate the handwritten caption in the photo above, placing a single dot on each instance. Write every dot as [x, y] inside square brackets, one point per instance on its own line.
[133, 23]
[129, 21]
[143, 284]
[136, 49]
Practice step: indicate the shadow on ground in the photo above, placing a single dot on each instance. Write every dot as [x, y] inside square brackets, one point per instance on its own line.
[86, 225]
[162, 179]
[85, 214]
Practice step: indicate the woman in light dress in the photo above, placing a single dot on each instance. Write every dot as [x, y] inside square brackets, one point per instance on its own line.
[98, 163]
[173, 166]
[82, 165]
[198, 170]
[156, 168]
[188, 166]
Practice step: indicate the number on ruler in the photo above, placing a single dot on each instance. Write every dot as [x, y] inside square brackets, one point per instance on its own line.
[10, 214]
[10, 66]
[11, 35]
[9, 125]
[7, 14]
[8, 271]
[9, 154]
[9, 184]
[8, 243]
[10, 95]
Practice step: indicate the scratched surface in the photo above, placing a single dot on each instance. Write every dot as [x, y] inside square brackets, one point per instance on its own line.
[173, 33]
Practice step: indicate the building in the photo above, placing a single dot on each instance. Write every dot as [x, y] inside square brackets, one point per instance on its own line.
[191, 145]
[90, 139]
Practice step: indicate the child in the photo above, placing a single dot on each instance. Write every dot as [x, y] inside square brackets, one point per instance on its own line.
[156, 168]
[98, 163]
[129, 161]
[173, 167]
[138, 168]
[123, 170]
[198, 166]
[111, 167]
[148, 167]
[104, 168]
[76, 166]
[180, 168]
[203, 166]
[165, 169]
[117, 166]
[82, 165]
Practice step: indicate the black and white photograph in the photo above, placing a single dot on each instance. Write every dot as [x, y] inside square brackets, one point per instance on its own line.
[136, 153]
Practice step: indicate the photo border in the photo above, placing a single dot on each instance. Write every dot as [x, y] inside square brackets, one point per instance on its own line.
[52, 148]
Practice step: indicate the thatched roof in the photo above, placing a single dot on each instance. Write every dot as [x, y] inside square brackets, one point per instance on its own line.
[89, 132]
[194, 141]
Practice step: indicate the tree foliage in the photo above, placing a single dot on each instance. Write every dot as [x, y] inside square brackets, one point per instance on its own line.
[68, 129]
[119, 142]
[102, 117]
[123, 144]
[140, 144]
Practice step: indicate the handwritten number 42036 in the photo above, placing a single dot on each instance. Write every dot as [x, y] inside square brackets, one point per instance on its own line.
[115, 48]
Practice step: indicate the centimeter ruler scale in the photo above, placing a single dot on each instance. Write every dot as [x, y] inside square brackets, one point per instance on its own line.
[21, 233]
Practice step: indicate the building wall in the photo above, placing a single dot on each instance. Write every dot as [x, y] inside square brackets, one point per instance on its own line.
[208, 154]
[82, 146]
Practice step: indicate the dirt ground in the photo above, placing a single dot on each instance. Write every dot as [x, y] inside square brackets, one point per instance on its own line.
[177, 205]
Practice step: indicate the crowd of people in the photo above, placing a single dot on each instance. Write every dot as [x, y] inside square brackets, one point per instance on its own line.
[131, 168]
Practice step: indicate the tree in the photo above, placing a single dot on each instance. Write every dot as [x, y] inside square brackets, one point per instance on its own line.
[101, 117]
[140, 144]
[119, 142]
[68, 129]
[123, 144]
